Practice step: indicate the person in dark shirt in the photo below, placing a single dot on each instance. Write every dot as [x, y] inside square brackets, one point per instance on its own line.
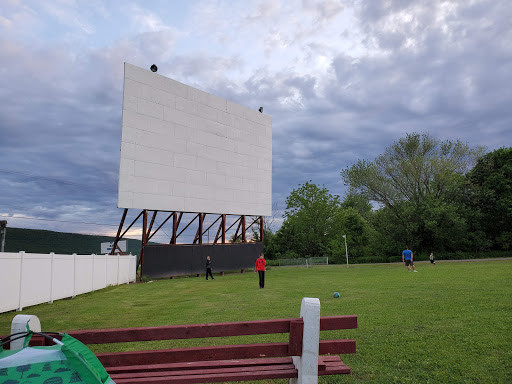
[209, 268]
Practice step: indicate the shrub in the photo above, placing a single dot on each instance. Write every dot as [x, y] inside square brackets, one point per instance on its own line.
[273, 263]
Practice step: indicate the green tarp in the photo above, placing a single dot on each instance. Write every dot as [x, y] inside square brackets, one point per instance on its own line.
[67, 362]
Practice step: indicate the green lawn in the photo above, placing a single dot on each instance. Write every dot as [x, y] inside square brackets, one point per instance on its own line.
[448, 323]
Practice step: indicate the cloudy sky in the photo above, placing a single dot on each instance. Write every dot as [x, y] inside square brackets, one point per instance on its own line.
[342, 80]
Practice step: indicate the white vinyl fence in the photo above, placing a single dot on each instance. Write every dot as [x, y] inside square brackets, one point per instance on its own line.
[32, 278]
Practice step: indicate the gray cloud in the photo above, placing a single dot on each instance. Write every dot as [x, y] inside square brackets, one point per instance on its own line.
[421, 67]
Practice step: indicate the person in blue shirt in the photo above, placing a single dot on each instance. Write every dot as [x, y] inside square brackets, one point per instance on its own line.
[407, 257]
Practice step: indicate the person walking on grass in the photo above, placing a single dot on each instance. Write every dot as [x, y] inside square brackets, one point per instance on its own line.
[209, 268]
[432, 261]
[407, 257]
[260, 268]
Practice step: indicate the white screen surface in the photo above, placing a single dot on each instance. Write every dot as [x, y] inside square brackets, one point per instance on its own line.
[185, 150]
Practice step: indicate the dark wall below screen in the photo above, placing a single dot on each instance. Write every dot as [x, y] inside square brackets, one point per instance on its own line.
[178, 260]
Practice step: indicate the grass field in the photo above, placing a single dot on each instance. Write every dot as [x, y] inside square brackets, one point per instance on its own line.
[448, 323]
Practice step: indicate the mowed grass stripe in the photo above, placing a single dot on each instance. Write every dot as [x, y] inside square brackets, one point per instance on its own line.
[448, 323]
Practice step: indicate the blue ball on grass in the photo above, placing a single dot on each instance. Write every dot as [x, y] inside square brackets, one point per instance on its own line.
[336, 295]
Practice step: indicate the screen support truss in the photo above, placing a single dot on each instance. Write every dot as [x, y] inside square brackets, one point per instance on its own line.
[220, 237]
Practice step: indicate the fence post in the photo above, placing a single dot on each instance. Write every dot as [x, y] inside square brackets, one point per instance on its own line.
[74, 275]
[307, 364]
[106, 270]
[129, 268]
[118, 269]
[20, 302]
[52, 254]
[92, 274]
[19, 324]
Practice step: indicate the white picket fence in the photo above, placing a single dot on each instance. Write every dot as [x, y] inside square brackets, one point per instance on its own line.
[31, 278]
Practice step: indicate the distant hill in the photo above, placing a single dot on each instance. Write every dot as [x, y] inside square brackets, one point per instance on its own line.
[41, 241]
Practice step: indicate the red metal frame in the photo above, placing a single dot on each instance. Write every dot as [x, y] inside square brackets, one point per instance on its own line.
[176, 220]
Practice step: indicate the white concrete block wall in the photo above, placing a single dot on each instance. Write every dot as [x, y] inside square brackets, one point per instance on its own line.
[183, 149]
[41, 278]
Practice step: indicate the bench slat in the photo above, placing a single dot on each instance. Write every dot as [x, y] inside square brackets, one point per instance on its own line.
[339, 369]
[174, 332]
[330, 323]
[200, 364]
[180, 355]
[202, 371]
[337, 347]
[214, 378]
[331, 365]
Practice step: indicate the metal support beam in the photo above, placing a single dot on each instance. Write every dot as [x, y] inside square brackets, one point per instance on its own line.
[200, 229]
[237, 229]
[191, 221]
[174, 227]
[198, 238]
[161, 225]
[246, 229]
[262, 230]
[119, 231]
[244, 240]
[144, 242]
[211, 225]
[133, 222]
[223, 229]
[151, 224]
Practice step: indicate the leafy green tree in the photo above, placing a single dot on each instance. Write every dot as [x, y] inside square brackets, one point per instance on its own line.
[490, 192]
[358, 232]
[310, 221]
[269, 224]
[413, 175]
[386, 237]
[359, 203]
[268, 241]
[315, 222]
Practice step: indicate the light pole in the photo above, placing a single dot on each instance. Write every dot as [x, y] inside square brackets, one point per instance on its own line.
[346, 249]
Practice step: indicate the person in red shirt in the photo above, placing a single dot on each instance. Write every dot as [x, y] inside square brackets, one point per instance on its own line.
[260, 267]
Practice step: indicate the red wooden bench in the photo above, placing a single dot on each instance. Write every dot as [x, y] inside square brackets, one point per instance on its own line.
[220, 363]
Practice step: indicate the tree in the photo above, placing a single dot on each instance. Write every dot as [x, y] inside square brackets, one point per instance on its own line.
[269, 223]
[355, 227]
[490, 192]
[410, 177]
[357, 202]
[311, 220]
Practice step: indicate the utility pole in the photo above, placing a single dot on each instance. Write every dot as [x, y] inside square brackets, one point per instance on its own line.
[346, 249]
[3, 229]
